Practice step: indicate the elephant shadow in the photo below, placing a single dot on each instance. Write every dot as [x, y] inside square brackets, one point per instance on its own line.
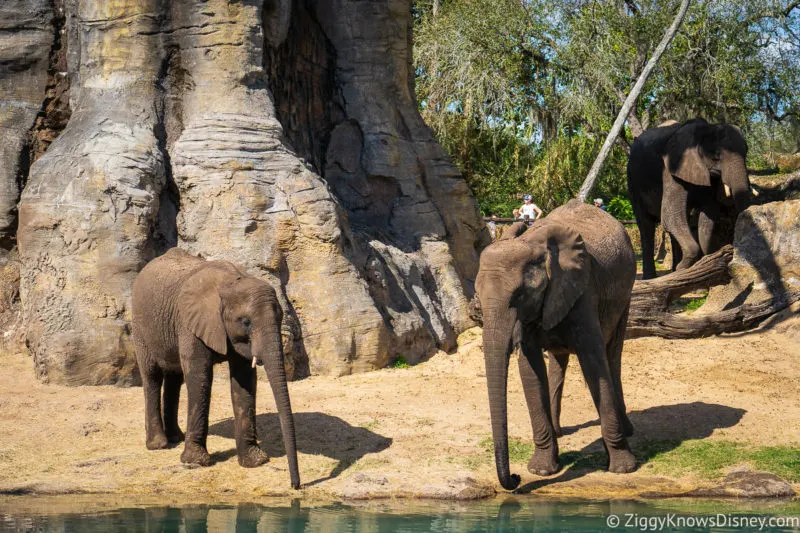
[316, 434]
[658, 430]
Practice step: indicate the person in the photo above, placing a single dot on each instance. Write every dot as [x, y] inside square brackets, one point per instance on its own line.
[598, 202]
[492, 225]
[529, 210]
[515, 212]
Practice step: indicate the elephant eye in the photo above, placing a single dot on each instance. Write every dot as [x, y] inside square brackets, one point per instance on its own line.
[245, 321]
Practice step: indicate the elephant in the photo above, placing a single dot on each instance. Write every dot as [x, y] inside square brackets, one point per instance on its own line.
[188, 314]
[678, 168]
[562, 285]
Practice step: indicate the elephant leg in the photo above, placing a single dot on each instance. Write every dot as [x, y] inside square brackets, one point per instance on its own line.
[677, 255]
[152, 379]
[198, 373]
[706, 224]
[647, 233]
[171, 399]
[591, 350]
[534, 383]
[675, 218]
[556, 372]
[614, 351]
[243, 396]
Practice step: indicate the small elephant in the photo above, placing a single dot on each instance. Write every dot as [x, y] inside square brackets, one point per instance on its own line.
[188, 314]
[675, 169]
[562, 285]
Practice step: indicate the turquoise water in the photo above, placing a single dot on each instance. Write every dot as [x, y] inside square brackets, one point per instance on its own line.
[510, 515]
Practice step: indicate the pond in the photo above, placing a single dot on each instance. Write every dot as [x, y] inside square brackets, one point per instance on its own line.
[79, 514]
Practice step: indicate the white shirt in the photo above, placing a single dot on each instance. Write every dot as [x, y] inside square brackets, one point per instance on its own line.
[528, 209]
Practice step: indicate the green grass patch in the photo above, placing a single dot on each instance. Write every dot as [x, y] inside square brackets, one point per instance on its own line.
[709, 459]
[399, 362]
[694, 304]
[519, 451]
[702, 458]
[687, 304]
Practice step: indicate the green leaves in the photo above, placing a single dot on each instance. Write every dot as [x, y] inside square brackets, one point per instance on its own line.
[520, 93]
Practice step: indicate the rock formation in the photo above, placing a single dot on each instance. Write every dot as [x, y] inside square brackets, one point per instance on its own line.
[281, 136]
[765, 262]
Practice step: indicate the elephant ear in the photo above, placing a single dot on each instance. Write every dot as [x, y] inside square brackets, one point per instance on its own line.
[513, 231]
[568, 270]
[200, 308]
[685, 157]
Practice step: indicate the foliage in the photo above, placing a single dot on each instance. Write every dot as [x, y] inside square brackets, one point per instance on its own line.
[521, 93]
[620, 208]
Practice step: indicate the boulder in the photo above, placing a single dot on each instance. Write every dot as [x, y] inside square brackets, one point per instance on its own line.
[766, 260]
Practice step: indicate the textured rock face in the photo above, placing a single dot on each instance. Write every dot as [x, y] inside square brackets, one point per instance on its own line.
[26, 38]
[767, 248]
[333, 190]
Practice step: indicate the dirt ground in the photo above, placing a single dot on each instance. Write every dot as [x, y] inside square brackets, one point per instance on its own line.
[412, 432]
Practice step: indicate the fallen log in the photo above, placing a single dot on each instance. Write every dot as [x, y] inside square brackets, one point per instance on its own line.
[650, 300]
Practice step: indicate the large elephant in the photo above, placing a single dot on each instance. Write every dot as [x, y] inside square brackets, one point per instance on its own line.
[675, 169]
[188, 314]
[563, 285]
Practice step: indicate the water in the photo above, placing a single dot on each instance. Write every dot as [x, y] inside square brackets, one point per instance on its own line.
[513, 514]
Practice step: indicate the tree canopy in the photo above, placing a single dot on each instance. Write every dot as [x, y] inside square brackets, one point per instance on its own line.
[522, 92]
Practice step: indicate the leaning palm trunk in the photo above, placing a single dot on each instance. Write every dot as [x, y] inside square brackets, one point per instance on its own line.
[630, 101]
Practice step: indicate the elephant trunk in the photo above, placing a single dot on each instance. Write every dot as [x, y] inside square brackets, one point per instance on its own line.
[734, 175]
[271, 355]
[498, 327]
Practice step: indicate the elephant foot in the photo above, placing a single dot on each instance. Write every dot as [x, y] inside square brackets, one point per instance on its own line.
[621, 461]
[175, 436]
[686, 262]
[159, 442]
[253, 457]
[544, 462]
[195, 455]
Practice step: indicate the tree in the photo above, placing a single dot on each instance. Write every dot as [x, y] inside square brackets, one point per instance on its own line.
[546, 70]
[630, 101]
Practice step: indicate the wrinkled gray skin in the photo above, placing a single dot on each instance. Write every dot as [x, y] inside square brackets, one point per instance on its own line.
[676, 168]
[564, 285]
[188, 314]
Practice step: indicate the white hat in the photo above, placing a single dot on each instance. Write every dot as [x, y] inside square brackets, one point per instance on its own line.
[598, 201]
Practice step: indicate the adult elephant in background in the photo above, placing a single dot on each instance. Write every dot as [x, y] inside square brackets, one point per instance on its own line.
[678, 168]
[563, 285]
[188, 314]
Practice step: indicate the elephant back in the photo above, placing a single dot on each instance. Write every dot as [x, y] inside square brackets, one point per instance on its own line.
[606, 242]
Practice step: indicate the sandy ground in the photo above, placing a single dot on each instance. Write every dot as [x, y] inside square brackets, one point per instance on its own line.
[402, 432]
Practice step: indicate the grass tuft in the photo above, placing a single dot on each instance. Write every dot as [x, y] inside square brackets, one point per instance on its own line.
[399, 362]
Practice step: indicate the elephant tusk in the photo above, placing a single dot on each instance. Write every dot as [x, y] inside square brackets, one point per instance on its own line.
[727, 190]
[754, 191]
[253, 364]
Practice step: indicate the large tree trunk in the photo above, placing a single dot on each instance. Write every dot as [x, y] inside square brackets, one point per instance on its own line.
[284, 138]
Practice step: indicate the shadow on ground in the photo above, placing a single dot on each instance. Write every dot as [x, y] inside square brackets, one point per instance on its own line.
[316, 433]
[657, 430]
